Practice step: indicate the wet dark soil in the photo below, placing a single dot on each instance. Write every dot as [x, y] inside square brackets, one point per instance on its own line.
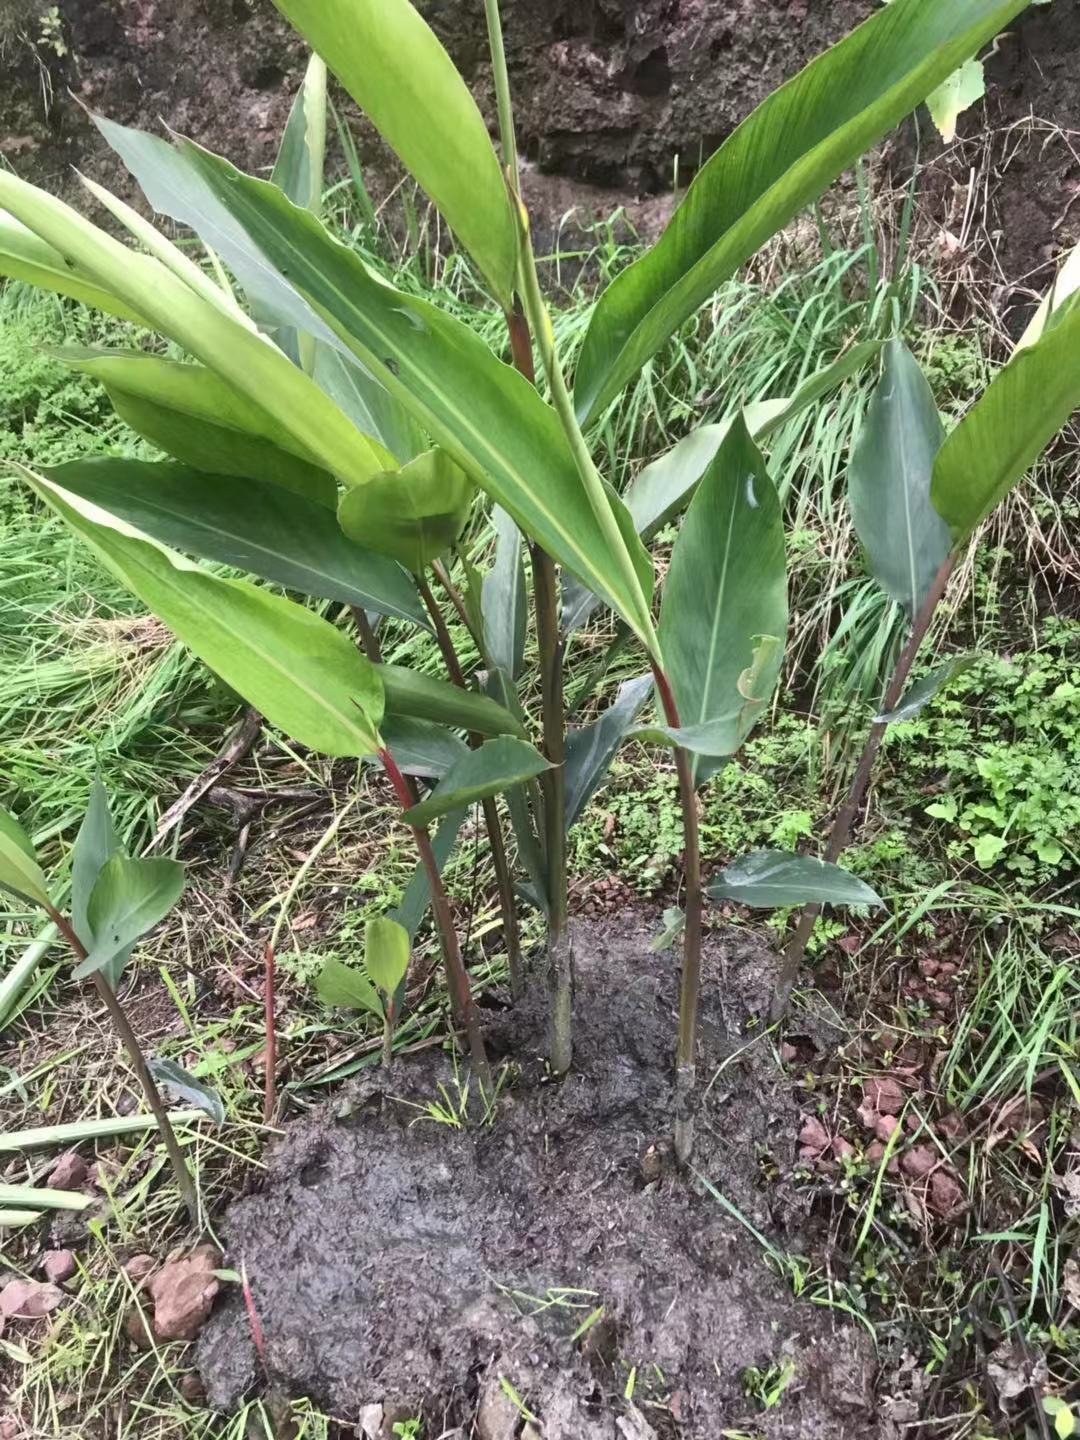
[398, 1261]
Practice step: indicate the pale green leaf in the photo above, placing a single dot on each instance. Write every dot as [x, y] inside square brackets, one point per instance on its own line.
[95, 843]
[496, 766]
[414, 514]
[188, 1087]
[771, 878]
[343, 986]
[19, 870]
[386, 953]
[129, 898]
[964, 88]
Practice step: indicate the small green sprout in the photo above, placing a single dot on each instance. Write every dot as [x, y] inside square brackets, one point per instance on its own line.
[378, 987]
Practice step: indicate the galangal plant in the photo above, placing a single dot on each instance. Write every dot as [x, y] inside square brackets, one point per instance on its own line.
[336, 426]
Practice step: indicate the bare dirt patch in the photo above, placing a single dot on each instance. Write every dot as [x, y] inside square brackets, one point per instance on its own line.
[401, 1262]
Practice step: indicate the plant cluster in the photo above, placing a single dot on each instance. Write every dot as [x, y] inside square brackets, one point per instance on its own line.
[335, 435]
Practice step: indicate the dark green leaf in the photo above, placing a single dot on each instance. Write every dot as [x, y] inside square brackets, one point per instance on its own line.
[417, 898]
[371, 409]
[290, 664]
[394, 67]
[496, 766]
[422, 697]
[259, 528]
[341, 985]
[299, 167]
[421, 748]
[129, 898]
[187, 1087]
[674, 925]
[771, 878]
[386, 953]
[724, 617]
[503, 603]
[529, 848]
[95, 843]
[924, 690]
[1002, 436]
[590, 750]
[785, 154]
[19, 870]
[414, 514]
[905, 539]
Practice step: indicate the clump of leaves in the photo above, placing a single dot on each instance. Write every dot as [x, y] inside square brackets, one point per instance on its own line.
[379, 988]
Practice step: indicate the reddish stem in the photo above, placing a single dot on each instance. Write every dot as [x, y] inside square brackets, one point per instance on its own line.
[258, 1338]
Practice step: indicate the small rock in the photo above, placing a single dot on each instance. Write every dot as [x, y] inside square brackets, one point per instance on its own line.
[929, 968]
[788, 1053]
[183, 1292]
[192, 1389]
[919, 1161]
[530, 1432]
[884, 1126]
[946, 1196]
[882, 1095]
[29, 1299]
[634, 1426]
[842, 1149]
[9, 1428]
[69, 1172]
[139, 1267]
[813, 1138]
[59, 1265]
[137, 1329]
[497, 1417]
[371, 1418]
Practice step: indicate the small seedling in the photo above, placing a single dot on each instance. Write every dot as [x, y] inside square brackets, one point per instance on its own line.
[379, 987]
[768, 1386]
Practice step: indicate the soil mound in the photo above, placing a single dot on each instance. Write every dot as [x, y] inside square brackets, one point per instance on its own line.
[424, 1266]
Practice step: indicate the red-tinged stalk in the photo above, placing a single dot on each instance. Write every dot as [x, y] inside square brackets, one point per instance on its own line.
[848, 812]
[270, 1051]
[258, 1338]
[690, 985]
[138, 1063]
[503, 880]
[457, 979]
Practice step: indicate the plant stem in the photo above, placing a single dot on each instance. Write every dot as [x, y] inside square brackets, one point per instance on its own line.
[457, 980]
[690, 985]
[142, 1071]
[560, 967]
[369, 641]
[454, 595]
[503, 101]
[270, 1051]
[846, 816]
[503, 879]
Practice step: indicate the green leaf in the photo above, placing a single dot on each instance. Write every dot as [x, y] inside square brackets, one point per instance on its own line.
[298, 169]
[129, 898]
[417, 897]
[414, 514]
[485, 415]
[188, 1087]
[1000, 438]
[503, 601]
[95, 843]
[725, 613]
[386, 953]
[294, 667]
[924, 690]
[341, 985]
[781, 158]
[421, 748]
[19, 870]
[193, 415]
[394, 67]
[771, 878]
[496, 766]
[259, 528]
[905, 539]
[713, 739]
[1055, 303]
[591, 749]
[371, 409]
[23, 256]
[964, 88]
[423, 697]
[530, 851]
[226, 345]
[674, 925]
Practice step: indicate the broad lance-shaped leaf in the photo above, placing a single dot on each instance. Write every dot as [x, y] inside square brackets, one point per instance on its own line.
[194, 416]
[663, 488]
[1005, 432]
[771, 878]
[244, 359]
[422, 748]
[386, 953]
[294, 667]
[372, 409]
[487, 417]
[503, 600]
[96, 843]
[414, 514]
[188, 1087]
[346, 987]
[496, 766]
[1055, 303]
[781, 158]
[259, 528]
[591, 749]
[25, 257]
[417, 897]
[724, 617]
[392, 64]
[19, 870]
[129, 898]
[924, 690]
[905, 539]
[530, 851]
[417, 696]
